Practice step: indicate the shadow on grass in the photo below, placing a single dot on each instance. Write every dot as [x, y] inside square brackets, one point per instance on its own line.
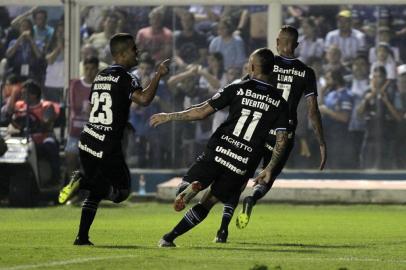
[303, 245]
[224, 248]
[122, 247]
[218, 247]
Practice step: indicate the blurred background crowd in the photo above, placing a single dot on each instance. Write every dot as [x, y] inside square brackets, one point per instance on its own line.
[357, 52]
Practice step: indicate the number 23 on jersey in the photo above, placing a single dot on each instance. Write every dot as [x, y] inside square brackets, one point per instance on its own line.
[101, 109]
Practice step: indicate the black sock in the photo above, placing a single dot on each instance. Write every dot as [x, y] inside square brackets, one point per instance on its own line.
[193, 216]
[228, 212]
[89, 209]
[259, 192]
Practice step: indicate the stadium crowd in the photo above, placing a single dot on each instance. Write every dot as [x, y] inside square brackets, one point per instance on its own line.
[358, 54]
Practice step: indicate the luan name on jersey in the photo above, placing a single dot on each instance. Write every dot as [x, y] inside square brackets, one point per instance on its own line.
[293, 79]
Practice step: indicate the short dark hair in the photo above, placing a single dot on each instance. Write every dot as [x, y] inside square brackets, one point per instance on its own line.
[337, 76]
[380, 69]
[14, 78]
[266, 60]
[33, 87]
[361, 56]
[39, 11]
[93, 60]
[119, 42]
[291, 31]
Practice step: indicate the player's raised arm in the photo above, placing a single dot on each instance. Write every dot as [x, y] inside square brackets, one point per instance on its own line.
[193, 113]
[315, 119]
[146, 96]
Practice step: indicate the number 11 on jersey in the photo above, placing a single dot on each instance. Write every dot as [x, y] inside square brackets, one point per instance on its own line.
[245, 113]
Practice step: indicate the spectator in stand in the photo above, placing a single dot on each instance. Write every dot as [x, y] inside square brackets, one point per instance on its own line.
[231, 47]
[377, 108]
[88, 51]
[357, 21]
[42, 31]
[137, 17]
[190, 45]
[350, 41]
[100, 40]
[55, 72]
[79, 109]
[155, 39]
[184, 87]
[42, 115]
[336, 113]
[24, 54]
[92, 18]
[401, 128]
[123, 25]
[384, 36]
[213, 77]
[206, 16]
[333, 60]
[384, 57]
[359, 86]
[256, 18]
[149, 149]
[309, 44]
[11, 94]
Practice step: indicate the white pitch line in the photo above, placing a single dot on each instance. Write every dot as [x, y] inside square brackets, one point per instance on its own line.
[67, 262]
[91, 259]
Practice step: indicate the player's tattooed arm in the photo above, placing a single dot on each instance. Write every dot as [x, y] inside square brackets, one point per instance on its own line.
[279, 149]
[315, 119]
[191, 114]
[265, 176]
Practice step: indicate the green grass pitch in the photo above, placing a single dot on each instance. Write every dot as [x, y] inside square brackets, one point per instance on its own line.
[279, 236]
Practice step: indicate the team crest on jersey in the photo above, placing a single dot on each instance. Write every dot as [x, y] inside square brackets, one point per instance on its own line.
[240, 92]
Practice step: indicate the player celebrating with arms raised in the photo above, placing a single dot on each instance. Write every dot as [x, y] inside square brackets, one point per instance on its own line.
[106, 174]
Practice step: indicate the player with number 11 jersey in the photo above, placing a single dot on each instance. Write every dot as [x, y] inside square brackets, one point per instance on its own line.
[255, 107]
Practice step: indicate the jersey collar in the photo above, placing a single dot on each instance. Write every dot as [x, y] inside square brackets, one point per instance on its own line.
[118, 65]
[262, 82]
[288, 58]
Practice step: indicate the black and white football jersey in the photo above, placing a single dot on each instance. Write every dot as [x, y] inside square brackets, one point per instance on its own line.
[254, 108]
[293, 79]
[110, 99]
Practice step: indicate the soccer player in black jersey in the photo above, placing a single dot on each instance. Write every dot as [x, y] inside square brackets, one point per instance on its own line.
[105, 173]
[293, 79]
[235, 149]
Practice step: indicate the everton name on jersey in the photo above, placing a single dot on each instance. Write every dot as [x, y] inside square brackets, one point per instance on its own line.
[254, 108]
[293, 79]
[110, 99]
